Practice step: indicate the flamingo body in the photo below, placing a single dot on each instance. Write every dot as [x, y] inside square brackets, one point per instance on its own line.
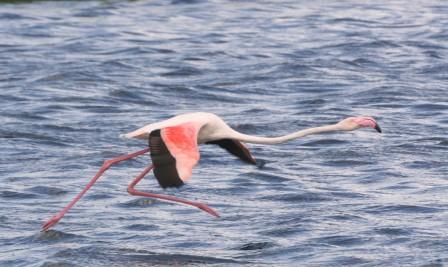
[181, 136]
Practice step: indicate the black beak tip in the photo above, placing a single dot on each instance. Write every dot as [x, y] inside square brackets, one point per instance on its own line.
[378, 129]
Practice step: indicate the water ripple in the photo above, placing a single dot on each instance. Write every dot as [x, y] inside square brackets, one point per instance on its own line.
[119, 256]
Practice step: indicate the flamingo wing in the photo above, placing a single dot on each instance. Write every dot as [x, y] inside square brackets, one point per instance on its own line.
[174, 153]
[236, 148]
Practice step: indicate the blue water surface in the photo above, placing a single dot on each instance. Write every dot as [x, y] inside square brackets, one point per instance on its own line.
[76, 74]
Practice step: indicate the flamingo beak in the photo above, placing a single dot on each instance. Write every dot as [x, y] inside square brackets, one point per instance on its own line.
[377, 128]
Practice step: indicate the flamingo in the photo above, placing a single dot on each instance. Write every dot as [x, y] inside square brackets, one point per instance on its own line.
[173, 147]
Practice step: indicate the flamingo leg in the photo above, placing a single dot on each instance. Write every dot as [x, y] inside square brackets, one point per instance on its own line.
[132, 191]
[106, 165]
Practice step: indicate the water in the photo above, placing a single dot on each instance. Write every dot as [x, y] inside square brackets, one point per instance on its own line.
[74, 75]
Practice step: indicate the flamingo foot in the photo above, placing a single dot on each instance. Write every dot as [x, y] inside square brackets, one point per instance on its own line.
[54, 220]
[207, 209]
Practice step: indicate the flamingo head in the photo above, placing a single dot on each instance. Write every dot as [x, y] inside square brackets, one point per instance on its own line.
[353, 123]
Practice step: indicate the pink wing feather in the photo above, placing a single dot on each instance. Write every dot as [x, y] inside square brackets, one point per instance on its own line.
[182, 142]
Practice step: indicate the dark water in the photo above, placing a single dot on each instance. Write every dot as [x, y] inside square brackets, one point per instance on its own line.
[74, 75]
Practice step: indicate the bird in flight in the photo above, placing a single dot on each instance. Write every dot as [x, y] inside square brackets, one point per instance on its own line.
[173, 148]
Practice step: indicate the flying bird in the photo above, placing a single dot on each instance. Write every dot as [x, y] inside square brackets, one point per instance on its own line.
[173, 148]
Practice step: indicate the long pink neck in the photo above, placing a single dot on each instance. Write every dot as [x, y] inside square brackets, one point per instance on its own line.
[281, 139]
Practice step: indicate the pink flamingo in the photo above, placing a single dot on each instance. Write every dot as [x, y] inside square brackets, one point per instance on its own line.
[173, 147]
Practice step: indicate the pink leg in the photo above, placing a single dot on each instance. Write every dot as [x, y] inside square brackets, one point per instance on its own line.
[103, 168]
[134, 192]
